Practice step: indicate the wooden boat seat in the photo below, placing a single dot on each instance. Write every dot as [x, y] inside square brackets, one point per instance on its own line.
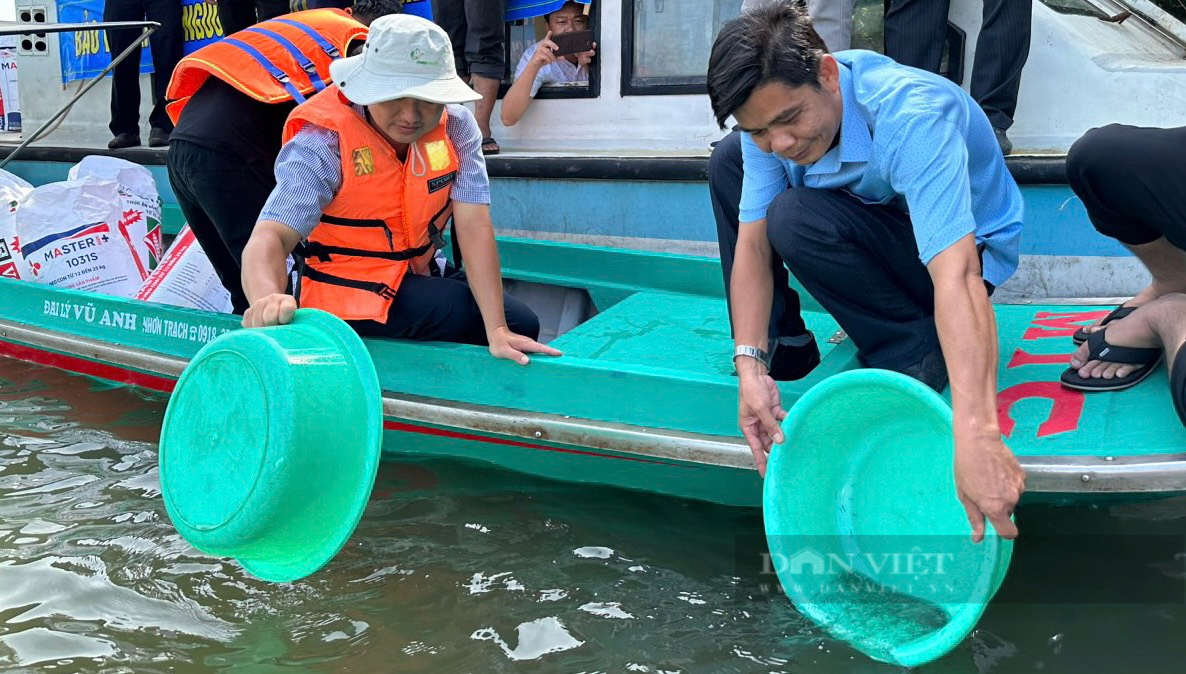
[672, 331]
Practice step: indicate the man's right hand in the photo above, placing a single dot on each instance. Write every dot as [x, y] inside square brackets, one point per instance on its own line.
[760, 414]
[545, 51]
[274, 309]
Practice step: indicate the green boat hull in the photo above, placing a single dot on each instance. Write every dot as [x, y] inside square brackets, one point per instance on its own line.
[644, 396]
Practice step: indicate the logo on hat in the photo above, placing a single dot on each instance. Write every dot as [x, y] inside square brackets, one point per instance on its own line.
[417, 55]
[364, 163]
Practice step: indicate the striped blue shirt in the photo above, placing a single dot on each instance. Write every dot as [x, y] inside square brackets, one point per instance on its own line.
[915, 140]
[309, 171]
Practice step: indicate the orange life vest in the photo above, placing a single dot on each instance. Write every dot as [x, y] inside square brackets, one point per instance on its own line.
[282, 59]
[386, 219]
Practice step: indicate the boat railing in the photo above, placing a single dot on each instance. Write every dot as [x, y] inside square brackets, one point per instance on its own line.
[21, 28]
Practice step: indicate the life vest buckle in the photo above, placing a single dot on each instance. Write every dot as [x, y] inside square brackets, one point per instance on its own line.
[434, 235]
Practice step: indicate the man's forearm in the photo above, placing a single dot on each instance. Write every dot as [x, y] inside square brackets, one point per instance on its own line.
[968, 335]
[482, 270]
[265, 268]
[751, 294]
[518, 97]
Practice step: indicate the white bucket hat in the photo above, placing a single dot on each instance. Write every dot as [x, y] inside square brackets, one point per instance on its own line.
[405, 57]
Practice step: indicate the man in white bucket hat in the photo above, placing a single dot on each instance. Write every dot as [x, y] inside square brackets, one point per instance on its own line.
[371, 171]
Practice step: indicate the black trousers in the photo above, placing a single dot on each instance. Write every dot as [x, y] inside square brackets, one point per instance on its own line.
[235, 15]
[329, 4]
[1132, 181]
[724, 186]
[915, 31]
[221, 196]
[477, 29]
[859, 261]
[443, 309]
[166, 45]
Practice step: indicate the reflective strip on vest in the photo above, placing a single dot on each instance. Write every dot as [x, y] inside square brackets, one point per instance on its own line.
[268, 66]
[295, 51]
[325, 44]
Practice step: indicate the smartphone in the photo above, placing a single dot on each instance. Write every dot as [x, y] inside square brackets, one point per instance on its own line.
[573, 43]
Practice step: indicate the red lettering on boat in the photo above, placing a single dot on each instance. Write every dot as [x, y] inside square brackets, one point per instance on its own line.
[1064, 414]
[1060, 324]
[1021, 357]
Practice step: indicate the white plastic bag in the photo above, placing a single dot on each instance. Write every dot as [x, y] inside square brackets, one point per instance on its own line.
[12, 190]
[185, 278]
[140, 205]
[72, 235]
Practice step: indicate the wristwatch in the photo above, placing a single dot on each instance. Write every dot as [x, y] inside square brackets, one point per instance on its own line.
[752, 352]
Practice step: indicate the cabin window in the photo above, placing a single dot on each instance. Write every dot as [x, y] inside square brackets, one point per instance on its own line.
[523, 34]
[666, 43]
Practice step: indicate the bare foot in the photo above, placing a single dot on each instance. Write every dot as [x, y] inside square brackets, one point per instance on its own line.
[1137, 330]
[1147, 295]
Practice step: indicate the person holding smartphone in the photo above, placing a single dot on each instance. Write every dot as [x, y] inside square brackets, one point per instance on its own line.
[551, 60]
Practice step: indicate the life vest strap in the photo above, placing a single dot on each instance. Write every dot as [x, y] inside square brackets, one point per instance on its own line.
[325, 44]
[352, 222]
[381, 289]
[275, 72]
[295, 51]
[323, 252]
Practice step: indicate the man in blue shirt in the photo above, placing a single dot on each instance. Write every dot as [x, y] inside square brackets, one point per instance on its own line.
[883, 190]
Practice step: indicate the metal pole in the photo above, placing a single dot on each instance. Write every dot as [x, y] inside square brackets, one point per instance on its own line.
[148, 30]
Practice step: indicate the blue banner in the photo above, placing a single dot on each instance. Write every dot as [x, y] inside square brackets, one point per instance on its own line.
[85, 53]
[421, 8]
[526, 9]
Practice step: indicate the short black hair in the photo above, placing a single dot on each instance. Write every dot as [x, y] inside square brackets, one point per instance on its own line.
[366, 11]
[566, 3]
[774, 42]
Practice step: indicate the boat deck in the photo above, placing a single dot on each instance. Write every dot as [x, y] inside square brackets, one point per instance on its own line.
[685, 333]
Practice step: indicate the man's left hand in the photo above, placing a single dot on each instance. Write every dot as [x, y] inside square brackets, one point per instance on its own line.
[586, 57]
[513, 346]
[989, 482]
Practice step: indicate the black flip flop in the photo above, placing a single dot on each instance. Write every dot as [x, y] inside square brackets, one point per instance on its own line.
[490, 141]
[1118, 313]
[1178, 383]
[1100, 349]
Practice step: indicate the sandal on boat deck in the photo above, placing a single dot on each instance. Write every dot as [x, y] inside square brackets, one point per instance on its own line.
[490, 141]
[1100, 349]
[1118, 313]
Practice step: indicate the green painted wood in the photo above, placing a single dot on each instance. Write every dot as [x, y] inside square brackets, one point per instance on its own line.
[664, 330]
[653, 358]
[159, 328]
[1049, 420]
[727, 486]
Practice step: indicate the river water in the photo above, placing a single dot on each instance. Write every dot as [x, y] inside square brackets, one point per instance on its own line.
[457, 567]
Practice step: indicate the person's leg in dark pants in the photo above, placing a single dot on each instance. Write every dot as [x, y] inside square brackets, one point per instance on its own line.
[125, 77]
[1001, 52]
[235, 15]
[450, 16]
[167, 44]
[915, 31]
[797, 351]
[221, 197]
[860, 262]
[1132, 181]
[432, 308]
[485, 22]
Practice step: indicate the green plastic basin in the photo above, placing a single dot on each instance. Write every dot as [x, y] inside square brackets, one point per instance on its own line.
[865, 530]
[270, 445]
